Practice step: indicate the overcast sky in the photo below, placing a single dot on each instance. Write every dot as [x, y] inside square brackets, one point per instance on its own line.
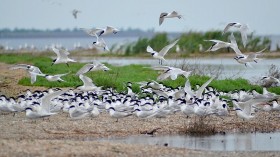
[263, 16]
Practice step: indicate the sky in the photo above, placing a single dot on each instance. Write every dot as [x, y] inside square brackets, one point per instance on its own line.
[262, 16]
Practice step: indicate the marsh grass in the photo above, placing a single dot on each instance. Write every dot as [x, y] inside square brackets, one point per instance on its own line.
[200, 127]
[118, 76]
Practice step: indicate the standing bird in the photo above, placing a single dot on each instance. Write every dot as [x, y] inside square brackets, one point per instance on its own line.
[75, 12]
[160, 55]
[243, 28]
[168, 15]
[62, 56]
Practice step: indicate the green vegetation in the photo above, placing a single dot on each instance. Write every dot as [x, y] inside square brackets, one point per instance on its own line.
[189, 42]
[117, 76]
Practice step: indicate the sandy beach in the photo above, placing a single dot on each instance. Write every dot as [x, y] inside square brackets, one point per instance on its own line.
[59, 136]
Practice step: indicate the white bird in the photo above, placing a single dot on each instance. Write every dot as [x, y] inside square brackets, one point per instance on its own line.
[94, 66]
[33, 70]
[160, 55]
[218, 44]
[275, 105]
[168, 15]
[118, 114]
[87, 84]
[53, 78]
[171, 72]
[75, 12]
[100, 43]
[108, 30]
[243, 115]
[62, 56]
[43, 110]
[271, 80]
[243, 28]
[246, 59]
[77, 113]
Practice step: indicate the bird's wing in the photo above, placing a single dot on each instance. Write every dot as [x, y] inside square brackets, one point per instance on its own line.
[243, 30]
[161, 18]
[56, 51]
[228, 26]
[86, 80]
[149, 49]
[201, 88]
[160, 67]
[86, 68]
[174, 13]
[234, 45]
[60, 75]
[167, 47]
[188, 88]
[46, 100]
[19, 66]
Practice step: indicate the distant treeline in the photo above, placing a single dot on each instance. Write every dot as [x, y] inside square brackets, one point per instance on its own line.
[191, 42]
[76, 32]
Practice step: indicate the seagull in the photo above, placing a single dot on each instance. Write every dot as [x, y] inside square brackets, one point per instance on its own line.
[246, 59]
[62, 56]
[168, 15]
[75, 12]
[87, 84]
[243, 28]
[43, 110]
[33, 70]
[160, 55]
[171, 72]
[100, 43]
[94, 66]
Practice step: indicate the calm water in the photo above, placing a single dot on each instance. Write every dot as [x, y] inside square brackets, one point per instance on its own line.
[228, 142]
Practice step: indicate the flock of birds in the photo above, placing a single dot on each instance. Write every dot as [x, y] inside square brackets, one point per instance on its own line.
[154, 99]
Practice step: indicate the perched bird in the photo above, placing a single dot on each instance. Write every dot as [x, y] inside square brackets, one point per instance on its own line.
[43, 108]
[271, 80]
[94, 66]
[62, 56]
[118, 114]
[243, 28]
[75, 12]
[168, 15]
[33, 70]
[171, 72]
[108, 30]
[76, 113]
[160, 55]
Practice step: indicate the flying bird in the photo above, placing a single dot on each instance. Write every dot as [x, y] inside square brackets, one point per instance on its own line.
[95, 66]
[160, 55]
[75, 13]
[62, 56]
[243, 28]
[31, 69]
[171, 72]
[168, 15]
[100, 43]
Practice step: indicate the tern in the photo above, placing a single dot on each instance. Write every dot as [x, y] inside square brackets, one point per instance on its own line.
[33, 70]
[171, 72]
[75, 12]
[118, 114]
[43, 110]
[243, 28]
[168, 15]
[218, 44]
[160, 55]
[108, 30]
[78, 113]
[94, 66]
[62, 56]
[87, 84]
[100, 43]
[246, 59]
[53, 78]
[271, 80]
